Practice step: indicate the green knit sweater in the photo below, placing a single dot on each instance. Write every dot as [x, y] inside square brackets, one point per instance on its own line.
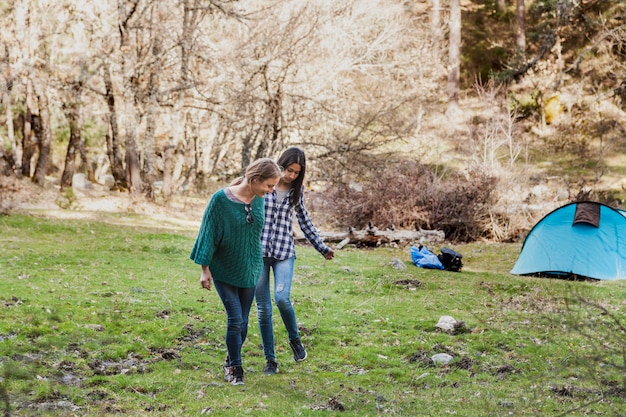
[228, 244]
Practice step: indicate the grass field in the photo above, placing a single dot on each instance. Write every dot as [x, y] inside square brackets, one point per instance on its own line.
[98, 319]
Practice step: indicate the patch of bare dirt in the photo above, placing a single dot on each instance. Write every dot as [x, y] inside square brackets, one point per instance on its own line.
[99, 204]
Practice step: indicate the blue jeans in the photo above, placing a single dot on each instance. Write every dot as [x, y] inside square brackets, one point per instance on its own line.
[237, 303]
[283, 275]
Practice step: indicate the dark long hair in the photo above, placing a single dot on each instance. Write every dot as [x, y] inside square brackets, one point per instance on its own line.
[294, 155]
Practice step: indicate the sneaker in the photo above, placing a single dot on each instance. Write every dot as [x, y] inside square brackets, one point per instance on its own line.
[237, 375]
[228, 371]
[271, 368]
[299, 354]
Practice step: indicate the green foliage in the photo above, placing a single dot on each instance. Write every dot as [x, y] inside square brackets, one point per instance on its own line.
[62, 134]
[489, 47]
[100, 319]
[524, 105]
[67, 199]
[93, 133]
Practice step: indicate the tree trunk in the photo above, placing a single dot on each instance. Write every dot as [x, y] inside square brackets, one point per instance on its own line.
[520, 20]
[149, 139]
[133, 167]
[454, 52]
[5, 163]
[71, 109]
[129, 115]
[133, 170]
[31, 131]
[43, 141]
[16, 150]
[72, 116]
[84, 163]
[113, 137]
[435, 23]
[148, 170]
[501, 5]
[371, 236]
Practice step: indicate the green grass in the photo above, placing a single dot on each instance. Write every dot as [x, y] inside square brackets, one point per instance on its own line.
[99, 319]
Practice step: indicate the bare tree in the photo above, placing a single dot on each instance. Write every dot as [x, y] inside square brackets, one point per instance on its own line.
[196, 86]
[22, 34]
[31, 128]
[113, 138]
[154, 69]
[272, 62]
[193, 12]
[71, 108]
[10, 50]
[44, 136]
[38, 31]
[14, 159]
[126, 11]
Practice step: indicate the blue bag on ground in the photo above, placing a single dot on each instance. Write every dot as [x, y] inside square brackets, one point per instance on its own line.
[424, 258]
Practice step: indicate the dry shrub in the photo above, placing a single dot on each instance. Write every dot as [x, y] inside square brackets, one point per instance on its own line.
[461, 207]
[409, 195]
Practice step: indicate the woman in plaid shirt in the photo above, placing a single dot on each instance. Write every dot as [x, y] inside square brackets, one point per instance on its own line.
[279, 254]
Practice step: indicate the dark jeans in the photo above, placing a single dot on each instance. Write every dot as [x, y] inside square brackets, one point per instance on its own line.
[237, 303]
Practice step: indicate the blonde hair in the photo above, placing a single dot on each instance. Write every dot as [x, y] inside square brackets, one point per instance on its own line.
[260, 170]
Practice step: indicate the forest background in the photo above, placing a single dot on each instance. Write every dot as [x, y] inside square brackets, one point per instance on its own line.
[472, 117]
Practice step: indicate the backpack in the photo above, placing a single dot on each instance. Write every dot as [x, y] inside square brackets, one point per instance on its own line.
[451, 260]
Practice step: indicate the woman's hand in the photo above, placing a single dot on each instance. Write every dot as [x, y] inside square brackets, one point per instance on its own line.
[329, 255]
[206, 279]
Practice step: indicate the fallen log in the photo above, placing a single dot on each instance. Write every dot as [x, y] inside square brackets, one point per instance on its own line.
[372, 236]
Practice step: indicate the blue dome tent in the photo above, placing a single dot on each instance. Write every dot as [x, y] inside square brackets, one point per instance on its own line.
[581, 239]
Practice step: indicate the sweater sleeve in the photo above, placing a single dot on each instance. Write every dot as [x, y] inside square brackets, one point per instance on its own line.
[209, 235]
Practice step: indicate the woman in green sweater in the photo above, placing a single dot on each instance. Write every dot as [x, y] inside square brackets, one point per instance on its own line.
[228, 248]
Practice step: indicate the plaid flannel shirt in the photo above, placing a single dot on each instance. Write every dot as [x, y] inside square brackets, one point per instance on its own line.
[277, 235]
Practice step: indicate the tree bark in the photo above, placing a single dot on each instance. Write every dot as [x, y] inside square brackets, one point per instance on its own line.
[43, 141]
[131, 158]
[72, 116]
[85, 165]
[454, 52]
[435, 22]
[30, 131]
[371, 236]
[149, 171]
[16, 150]
[71, 109]
[520, 20]
[114, 152]
[129, 116]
